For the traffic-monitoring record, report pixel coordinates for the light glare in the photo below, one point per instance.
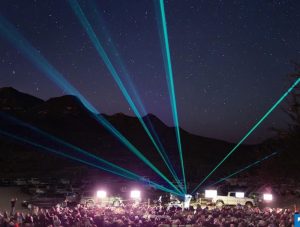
(268, 197)
(135, 194)
(101, 194)
(210, 193)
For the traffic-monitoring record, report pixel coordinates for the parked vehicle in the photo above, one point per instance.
(233, 199)
(33, 181)
(88, 198)
(45, 201)
(64, 181)
(20, 182)
(72, 197)
(6, 182)
(37, 189)
(61, 189)
(76, 188)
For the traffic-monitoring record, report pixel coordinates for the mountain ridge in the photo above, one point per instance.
(65, 117)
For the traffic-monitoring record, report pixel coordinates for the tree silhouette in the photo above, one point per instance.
(288, 139)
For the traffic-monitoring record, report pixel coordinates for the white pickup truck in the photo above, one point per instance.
(233, 198)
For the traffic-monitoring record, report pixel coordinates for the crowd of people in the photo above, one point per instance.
(139, 215)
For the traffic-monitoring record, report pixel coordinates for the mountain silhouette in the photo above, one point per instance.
(66, 118)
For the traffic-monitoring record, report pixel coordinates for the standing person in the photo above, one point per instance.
(56, 221)
(19, 218)
(13, 206)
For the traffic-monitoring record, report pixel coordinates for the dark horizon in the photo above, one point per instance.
(126, 115)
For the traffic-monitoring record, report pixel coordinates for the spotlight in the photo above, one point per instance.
(135, 194)
(268, 197)
(239, 194)
(101, 194)
(210, 193)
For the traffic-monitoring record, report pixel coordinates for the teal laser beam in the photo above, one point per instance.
(123, 173)
(245, 168)
(58, 140)
(135, 150)
(8, 31)
(170, 80)
(132, 148)
(250, 131)
(125, 76)
(100, 50)
(13, 36)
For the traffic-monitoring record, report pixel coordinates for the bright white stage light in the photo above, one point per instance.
(101, 194)
(210, 193)
(187, 200)
(239, 194)
(135, 194)
(268, 197)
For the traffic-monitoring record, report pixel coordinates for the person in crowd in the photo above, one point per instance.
(13, 202)
(149, 216)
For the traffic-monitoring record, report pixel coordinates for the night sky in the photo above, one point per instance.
(230, 58)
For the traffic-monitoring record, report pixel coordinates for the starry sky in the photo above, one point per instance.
(230, 58)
